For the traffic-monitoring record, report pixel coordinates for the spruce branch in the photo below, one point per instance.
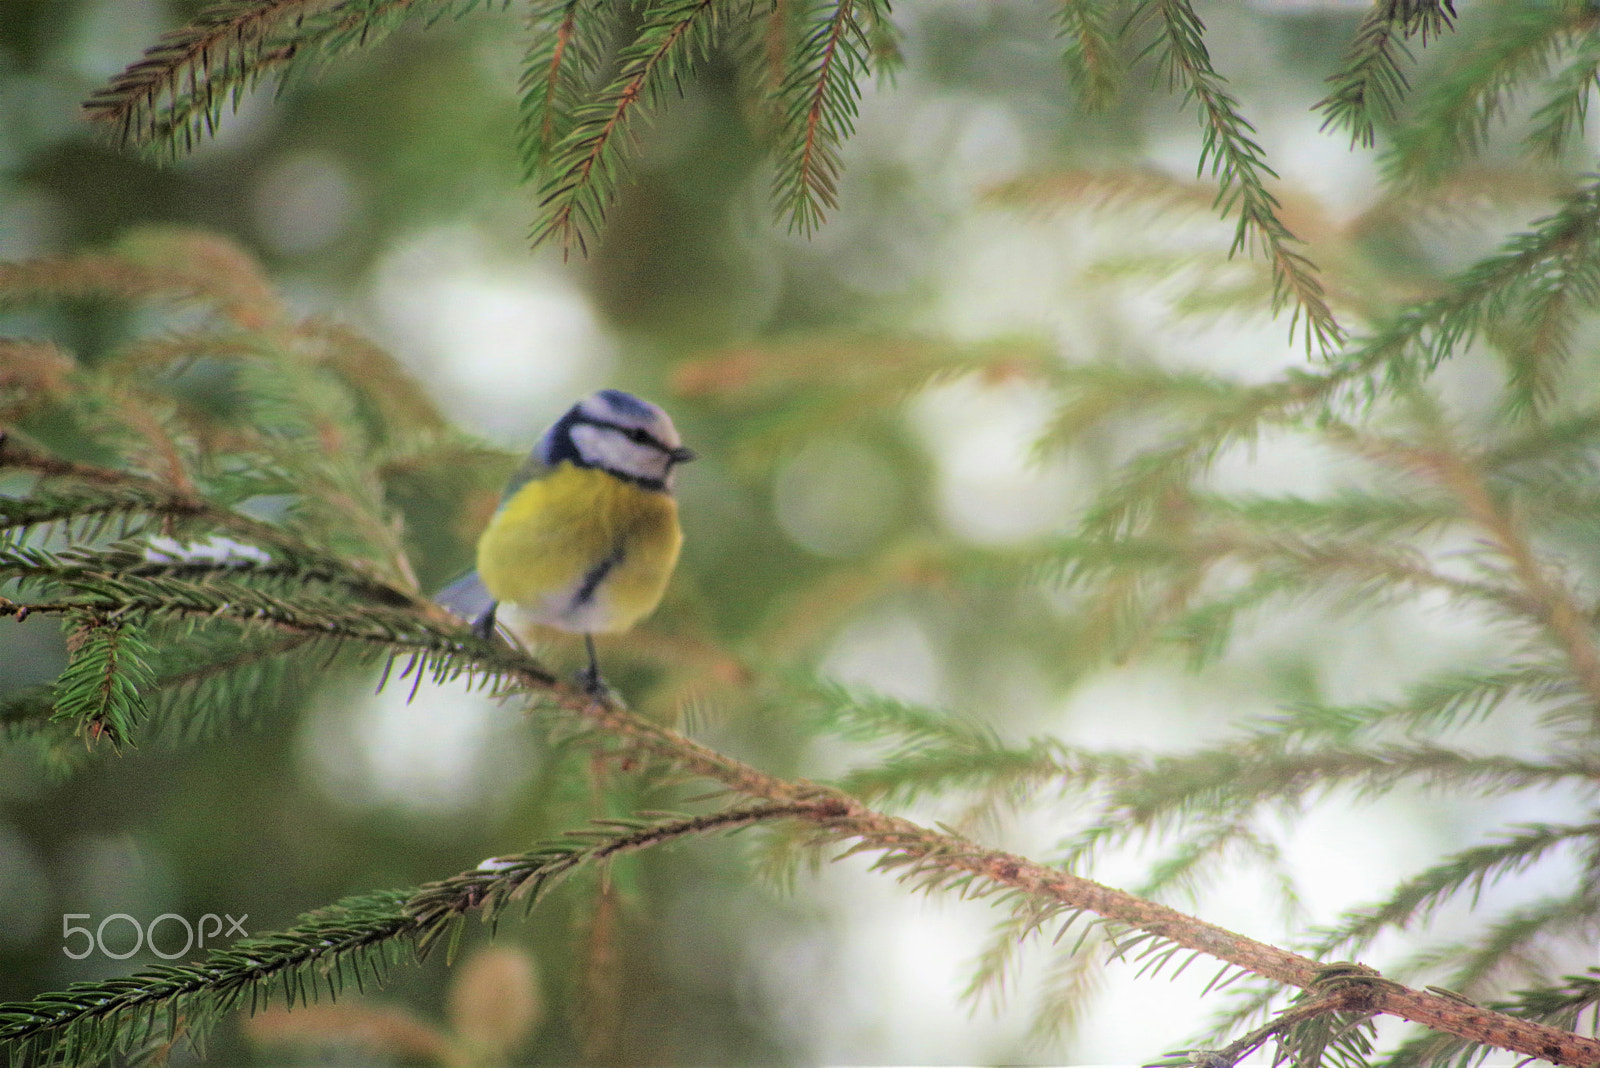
(1566, 623)
(1071, 978)
(1369, 86)
(1463, 105)
(1560, 1006)
(1093, 66)
(1188, 584)
(818, 101)
(156, 263)
(1559, 121)
(32, 375)
(904, 777)
(177, 92)
(929, 749)
(102, 691)
(1347, 515)
(586, 167)
(997, 964)
(812, 384)
(1513, 942)
(95, 275)
(600, 1028)
(927, 864)
(563, 61)
(1334, 1012)
(1144, 484)
(210, 680)
(1545, 273)
(1442, 701)
(775, 41)
(81, 514)
(931, 860)
(121, 495)
(1093, 393)
(888, 59)
(1470, 870)
(224, 47)
(1226, 781)
(328, 950)
(1229, 151)
(403, 408)
(440, 653)
(198, 676)
(113, 585)
(1542, 451)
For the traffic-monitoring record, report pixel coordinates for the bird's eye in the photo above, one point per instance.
(638, 435)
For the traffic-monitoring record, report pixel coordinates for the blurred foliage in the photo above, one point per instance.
(1377, 562)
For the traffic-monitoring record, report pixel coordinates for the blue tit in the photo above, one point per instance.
(587, 533)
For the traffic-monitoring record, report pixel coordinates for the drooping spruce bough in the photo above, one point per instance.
(116, 469)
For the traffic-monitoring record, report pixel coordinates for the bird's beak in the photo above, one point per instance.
(682, 455)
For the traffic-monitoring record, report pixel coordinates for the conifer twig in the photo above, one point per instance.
(1367, 88)
(557, 66)
(149, 495)
(226, 36)
(1555, 608)
(177, 92)
(335, 945)
(1093, 66)
(1334, 992)
(1531, 270)
(819, 106)
(1455, 116)
(586, 166)
(1233, 157)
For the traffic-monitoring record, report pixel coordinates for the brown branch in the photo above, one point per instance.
(600, 1024)
(424, 916)
(915, 850)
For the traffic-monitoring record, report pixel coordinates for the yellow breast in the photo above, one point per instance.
(581, 550)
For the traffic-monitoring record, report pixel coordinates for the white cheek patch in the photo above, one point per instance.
(606, 448)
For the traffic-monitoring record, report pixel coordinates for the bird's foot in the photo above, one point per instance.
(591, 683)
(483, 626)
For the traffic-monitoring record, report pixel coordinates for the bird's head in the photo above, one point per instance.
(621, 434)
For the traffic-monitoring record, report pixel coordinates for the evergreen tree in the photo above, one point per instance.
(223, 502)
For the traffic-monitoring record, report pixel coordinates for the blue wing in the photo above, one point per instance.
(470, 599)
(467, 596)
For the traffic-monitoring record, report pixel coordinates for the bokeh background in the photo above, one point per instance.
(385, 195)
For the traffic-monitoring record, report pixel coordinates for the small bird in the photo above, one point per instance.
(587, 532)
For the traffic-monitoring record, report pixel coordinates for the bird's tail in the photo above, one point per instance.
(470, 599)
